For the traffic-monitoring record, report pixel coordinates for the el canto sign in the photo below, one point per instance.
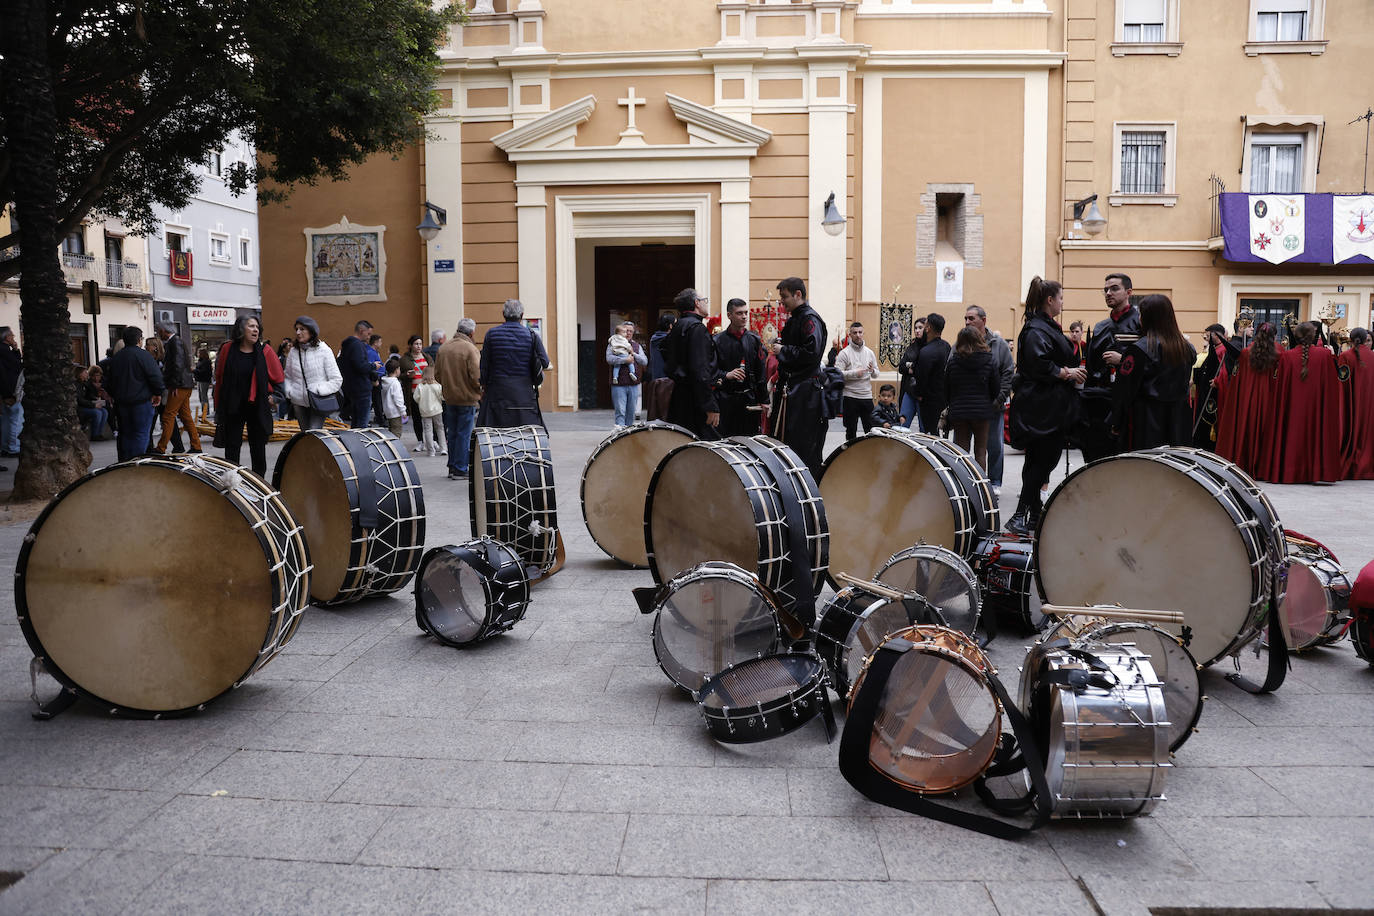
(196, 314)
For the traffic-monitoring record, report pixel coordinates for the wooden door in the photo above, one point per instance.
(638, 283)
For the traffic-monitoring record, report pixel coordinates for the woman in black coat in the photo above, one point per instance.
(246, 374)
(907, 370)
(972, 386)
(1150, 397)
(1044, 402)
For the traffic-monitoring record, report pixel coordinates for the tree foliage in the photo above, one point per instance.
(146, 90)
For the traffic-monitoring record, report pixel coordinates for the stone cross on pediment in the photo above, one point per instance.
(631, 135)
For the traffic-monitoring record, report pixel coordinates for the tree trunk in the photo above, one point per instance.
(53, 448)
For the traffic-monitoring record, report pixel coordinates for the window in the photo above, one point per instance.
(245, 252)
(215, 164)
(1143, 164)
(1147, 27)
(219, 247)
(1281, 153)
(74, 242)
(176, 238)
(1287, 27)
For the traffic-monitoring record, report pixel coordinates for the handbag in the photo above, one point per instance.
(320, 403)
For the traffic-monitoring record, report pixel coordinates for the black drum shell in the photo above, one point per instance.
(505, 587)
(771, 718)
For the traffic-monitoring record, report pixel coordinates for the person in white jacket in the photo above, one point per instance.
(429, 398)
(310, 368)
(393, 400)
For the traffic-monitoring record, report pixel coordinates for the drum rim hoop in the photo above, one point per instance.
(601, 447)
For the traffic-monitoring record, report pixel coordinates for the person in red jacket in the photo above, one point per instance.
(1311, 411)
(1357, 367)
(246, 375)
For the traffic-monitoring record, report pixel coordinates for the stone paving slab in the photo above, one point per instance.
(369, 769)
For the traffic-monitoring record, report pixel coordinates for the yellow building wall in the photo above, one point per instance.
(778, 226)
(490, 261)
(654, 117)
(628, 25)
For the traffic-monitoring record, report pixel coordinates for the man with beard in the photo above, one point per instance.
(799, 399)
(1109, 339)
(739, 354)
(688, 359)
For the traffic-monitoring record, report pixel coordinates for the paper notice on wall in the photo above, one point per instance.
(949, 281)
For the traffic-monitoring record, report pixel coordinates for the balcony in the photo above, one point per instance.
(125, 275)
(1299, 228)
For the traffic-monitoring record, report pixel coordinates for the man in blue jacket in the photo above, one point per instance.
(512, 367)
(358, 374)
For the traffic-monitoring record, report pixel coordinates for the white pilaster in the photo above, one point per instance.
(826, 173)
(871, 282)
(1035, 147)
(444, 188)
(734, 241)
(532, 247)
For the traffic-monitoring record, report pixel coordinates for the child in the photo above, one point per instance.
(429, 397)
(885, 411)
(393, 401)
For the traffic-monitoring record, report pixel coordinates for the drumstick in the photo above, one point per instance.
(1114, 613)
(877, 588)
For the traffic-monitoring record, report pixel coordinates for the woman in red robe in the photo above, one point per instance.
(1247, 415)
(1357, 449)
(1311, 412)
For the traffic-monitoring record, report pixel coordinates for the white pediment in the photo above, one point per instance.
(555, 130)
(706, 126)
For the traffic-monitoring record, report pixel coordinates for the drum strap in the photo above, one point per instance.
(856, 769)
(1278, 653)
(560, 556)
(798, 558)
(368, 515)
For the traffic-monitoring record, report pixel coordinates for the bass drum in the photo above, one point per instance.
(942, 578)
(725, 501)
(615, 481)
(511, 494)
(134, 611)
(986, 517)
(358, 495)
(1158, 530)
(1316, 606)
(921, 500)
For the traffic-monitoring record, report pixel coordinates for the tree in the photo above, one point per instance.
(107, 107)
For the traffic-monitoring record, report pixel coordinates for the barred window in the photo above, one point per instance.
(1142, 162)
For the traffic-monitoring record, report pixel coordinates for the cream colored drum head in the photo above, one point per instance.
(312, 485)
(149, 589)
(615, 484)
(701, 511)
(881, 494)
(1137, 532)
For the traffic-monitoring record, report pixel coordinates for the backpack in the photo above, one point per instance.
(832, 391)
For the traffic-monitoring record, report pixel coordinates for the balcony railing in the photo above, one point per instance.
(110, 274)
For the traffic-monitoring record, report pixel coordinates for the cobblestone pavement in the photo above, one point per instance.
(369, 769)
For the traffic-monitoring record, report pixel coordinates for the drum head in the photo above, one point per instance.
(313, 488)
(941, 577)
(615, 483)
(709, 622)
(1137, 532)
(912, 504)
(700, 511)
(938, 723)
(1306, 607)
(872, 628)
(759, 682)
(134, 605)
(454, 597)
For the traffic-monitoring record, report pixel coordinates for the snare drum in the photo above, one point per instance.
(725, 501)
(710, 617)
(920, 500)
(1173, 665)
(939, 721)
(1158, 529)
(764, 698)
(511, 493)
(941, 577)
(854, 624)
(615, 481)
(1316, 606)
(467, 592)
(358, 496)
(1107, 748)
(1005, 565)
(134, 611)
(1362, 613)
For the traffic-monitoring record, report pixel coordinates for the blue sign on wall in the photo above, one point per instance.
(443, 267)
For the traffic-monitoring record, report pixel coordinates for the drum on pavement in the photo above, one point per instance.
(1316, 605)
(615, 482)
(510, 487)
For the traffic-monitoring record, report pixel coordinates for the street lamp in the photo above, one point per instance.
(1091, 222)
(832, 222)
(428, 227)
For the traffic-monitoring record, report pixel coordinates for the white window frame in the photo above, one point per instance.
(183, 231)
(1313, 42)
(245, 255)
(1168, 197)
(1309, 127)
(225, 258)
(1171, 46)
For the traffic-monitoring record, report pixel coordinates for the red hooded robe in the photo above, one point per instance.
(1311, 417)
(1246, 418)
(1357, 448)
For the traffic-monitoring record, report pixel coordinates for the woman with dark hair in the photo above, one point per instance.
(1150, 397)
(246, 373)
(1310, 411)
(311, 369)
(1248, 405)
(1044, 404)
(413, 363)
(1357, 448)
(972, 386)
(906, 373)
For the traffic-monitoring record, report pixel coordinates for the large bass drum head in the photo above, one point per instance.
(1137, 532)
(912, 503)
(700, 511)
(614, 485)
(133, 604)
(313, 488)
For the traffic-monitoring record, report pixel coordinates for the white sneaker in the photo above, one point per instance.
(444, 452)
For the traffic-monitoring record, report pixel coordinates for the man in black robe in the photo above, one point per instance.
(799, 398)
(1221, 351)
(1109, 340)
(689, 360)
(739, 355)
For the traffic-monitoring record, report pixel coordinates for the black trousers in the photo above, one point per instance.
(930, 416)
(855, 410)
(231, 435)
(1042, 454)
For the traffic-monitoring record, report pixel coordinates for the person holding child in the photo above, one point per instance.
(627, 360)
